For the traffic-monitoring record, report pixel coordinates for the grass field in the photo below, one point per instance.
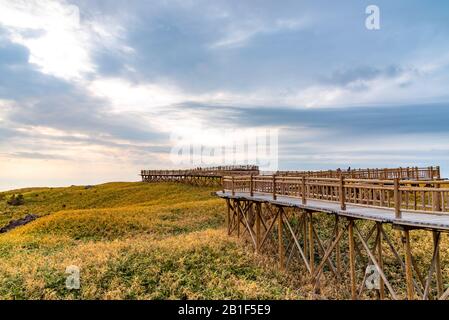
(155, 241)
(130, 241)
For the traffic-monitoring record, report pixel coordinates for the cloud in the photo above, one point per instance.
(239, 34)
(51, 30)
(109, 85)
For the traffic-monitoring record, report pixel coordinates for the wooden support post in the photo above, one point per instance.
(337, 246)
(251, 188)
(438, 275)
(305, 230)
(342, 193)
(281, 240)
(258, 213)
(408, 266)
(232, 183)
(228, 220)
(274, 187)
(237, 211)
(380, 260)
(311, 244)
(397, 199)
(352, 260)
(304, 192)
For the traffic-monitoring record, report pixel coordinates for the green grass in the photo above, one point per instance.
(130, 241)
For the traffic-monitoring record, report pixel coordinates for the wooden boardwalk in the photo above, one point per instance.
(368, 241)
(282, 212)
(210, 176)
(433, 221)
(411, 173)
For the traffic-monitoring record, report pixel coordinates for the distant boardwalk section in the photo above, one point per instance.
(209, 176)
(415, 173)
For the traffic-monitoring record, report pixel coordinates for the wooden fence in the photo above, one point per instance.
(410, 173)
(419, 196)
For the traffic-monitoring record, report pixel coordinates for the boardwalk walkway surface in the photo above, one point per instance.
(384, 215)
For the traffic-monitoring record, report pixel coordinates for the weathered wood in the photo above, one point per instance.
(342, 193)
(254, 201)
(301, 252)
(337, 248)
(397, 199)
(408, 266)
(311, 244)
(373, 259)
(280, 239)
(380, 259)
(436, 243)
(323, 251)
(352, 260)
(258, 218)
(274, 187)
(329, 250)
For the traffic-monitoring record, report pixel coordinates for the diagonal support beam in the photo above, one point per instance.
(436, 248)
(301, 252)
(328, 253)
(373, 259)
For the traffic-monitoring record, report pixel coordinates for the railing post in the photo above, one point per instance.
(397, 199)
(438, 173)
(251, 190)
(274, 187)
(223, 184)
(436, 198)
(304, 191)
(233, 191)
(342, 193)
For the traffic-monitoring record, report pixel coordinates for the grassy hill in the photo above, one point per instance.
(131, 241)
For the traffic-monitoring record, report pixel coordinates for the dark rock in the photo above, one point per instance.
(17, 223)
(16, 200)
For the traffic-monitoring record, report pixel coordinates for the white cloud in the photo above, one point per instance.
(126, 96)
(239, 34)
(51, 30)
(59, 43)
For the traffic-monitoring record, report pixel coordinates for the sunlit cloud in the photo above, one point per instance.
(91, 93)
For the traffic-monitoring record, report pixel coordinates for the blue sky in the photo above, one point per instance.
(90, 91)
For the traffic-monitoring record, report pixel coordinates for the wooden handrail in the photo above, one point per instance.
(429, 196)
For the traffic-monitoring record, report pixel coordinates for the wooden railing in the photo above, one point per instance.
(209, 171)
(396, 194)
(409, 173)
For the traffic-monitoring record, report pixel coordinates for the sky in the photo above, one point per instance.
(93, 91)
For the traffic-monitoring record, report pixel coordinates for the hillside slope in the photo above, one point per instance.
(130, 241)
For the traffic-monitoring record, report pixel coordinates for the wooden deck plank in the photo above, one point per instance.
(385, 215)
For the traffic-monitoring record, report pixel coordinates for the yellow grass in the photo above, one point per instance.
(158, 241)
(130, 241)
